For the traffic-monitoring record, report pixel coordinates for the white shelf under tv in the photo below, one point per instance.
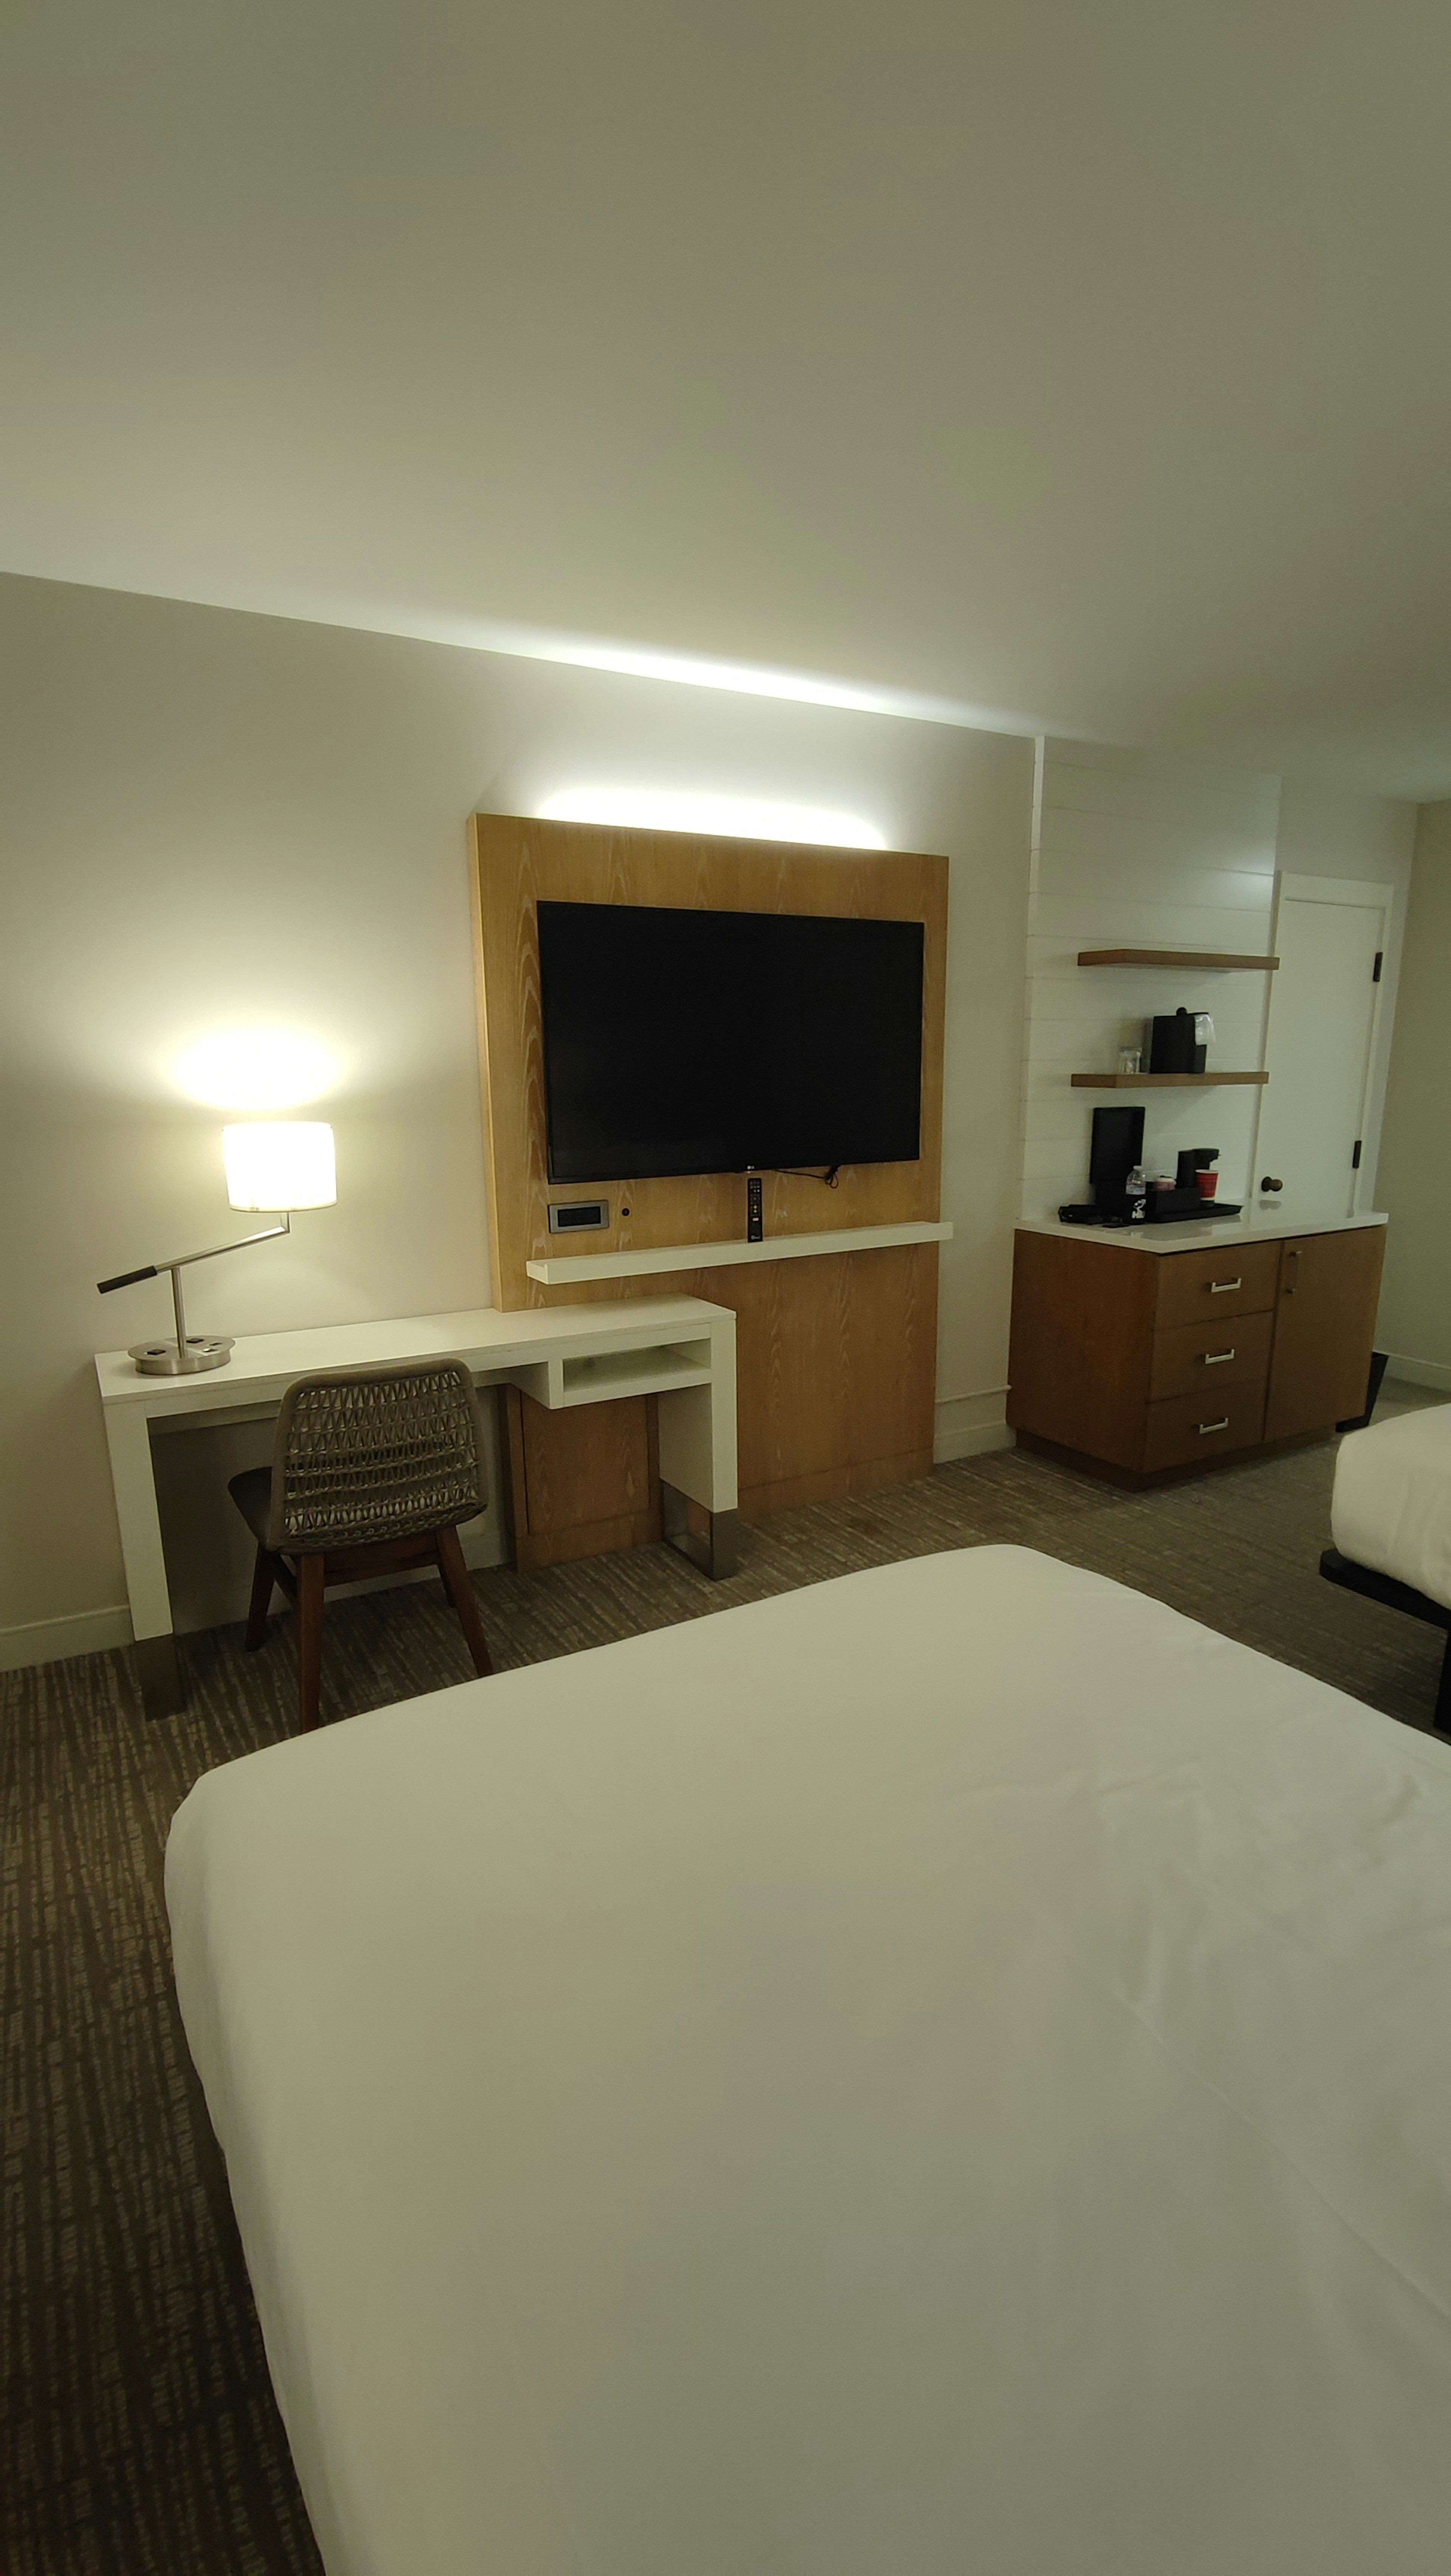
(564, 1269)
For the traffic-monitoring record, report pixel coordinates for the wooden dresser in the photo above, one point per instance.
(1147, 1362)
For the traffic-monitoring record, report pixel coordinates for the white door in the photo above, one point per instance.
(1330, 936)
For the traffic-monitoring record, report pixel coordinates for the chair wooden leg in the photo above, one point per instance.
(461, 1593)
(310, 1571)
(264, 1583)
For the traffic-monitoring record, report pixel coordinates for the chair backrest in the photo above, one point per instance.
(367, 1455)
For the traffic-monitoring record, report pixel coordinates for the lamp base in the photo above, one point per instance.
(168, 1359)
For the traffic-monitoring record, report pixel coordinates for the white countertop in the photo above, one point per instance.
(1199, 1234)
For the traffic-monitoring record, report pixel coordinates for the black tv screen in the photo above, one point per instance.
(722, 1041)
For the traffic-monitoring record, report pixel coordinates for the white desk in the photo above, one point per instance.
(677, 1348)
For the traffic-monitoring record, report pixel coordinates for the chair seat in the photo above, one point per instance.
(252, 1494)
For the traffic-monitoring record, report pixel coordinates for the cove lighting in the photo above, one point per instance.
(745, 679)
(739, 818)
(255, 1069)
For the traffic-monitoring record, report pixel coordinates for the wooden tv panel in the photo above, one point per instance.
(836, 1355)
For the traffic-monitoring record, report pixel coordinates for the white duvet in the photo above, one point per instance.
(947, 2073)
(1391, 1508)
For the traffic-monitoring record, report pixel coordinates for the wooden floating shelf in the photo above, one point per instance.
(1158, 1081)
(1185, 960)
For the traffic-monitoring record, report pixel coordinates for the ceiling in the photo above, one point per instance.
(1080, 363)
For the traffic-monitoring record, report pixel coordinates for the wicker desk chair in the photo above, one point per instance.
(372, 1471)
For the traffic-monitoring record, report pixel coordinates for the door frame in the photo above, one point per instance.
(1363, 894)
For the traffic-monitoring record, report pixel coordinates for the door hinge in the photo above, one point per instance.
(1379, 962)
(1355, 1157)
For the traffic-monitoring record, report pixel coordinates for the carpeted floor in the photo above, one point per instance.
(140, 2433)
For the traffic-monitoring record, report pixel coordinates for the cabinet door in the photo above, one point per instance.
(1324, 1330)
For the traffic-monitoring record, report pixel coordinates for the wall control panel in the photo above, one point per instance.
(580, 1216)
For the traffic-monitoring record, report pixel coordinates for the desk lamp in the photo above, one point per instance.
(273, 1164)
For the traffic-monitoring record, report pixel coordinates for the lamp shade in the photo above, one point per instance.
(277, 1163)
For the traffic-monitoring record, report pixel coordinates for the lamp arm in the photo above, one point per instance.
(154, 1269)
(184, 1259)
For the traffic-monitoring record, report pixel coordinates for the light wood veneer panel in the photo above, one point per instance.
(516, 863)
(582, 1481)
(836, 1356)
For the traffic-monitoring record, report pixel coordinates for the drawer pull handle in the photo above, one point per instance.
(1221, 1425)
(1221, 1287)
(1216, 1359)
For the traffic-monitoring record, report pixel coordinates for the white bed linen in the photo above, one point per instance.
(946, 2073)
(1391, 1508)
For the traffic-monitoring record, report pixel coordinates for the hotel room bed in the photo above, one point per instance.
(1390, 1519)
(946, 2072)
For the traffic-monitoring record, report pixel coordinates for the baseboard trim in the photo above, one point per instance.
(1420, 1372)
(972, 1442)
(969, 1426)
(52, 1641)
(91, 1632)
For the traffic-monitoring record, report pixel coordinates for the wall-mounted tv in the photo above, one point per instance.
(726, 1041)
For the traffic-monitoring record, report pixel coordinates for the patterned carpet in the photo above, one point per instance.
(140, 2433)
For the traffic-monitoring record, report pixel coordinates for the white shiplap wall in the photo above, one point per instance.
(1132, 849)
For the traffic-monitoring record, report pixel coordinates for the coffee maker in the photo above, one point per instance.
(1118, 1144)
(1177, 1041)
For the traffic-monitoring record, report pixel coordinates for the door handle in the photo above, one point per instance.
(1221, 1425)
(1216, 1359)
(1268, 1184)
(1221, 1287)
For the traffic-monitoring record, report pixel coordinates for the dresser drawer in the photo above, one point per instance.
(1195, 1359)
(1183, 1429)
(1244, 1279)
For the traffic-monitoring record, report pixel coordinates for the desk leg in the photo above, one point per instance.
(163, 1693)
(128, 1437)
(715, 1549)
(697, 1436)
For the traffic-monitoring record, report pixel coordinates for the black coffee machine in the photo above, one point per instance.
(1173, 1044)
(1118, 1144)
(1171, 1207)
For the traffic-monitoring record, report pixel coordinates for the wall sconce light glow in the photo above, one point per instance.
(255, 1069)
(276, 1163)
(739, 818)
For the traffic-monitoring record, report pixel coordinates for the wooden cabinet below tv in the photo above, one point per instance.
(1145, 1364)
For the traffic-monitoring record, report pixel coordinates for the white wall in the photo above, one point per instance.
(1415, 1166)
(210, 819)
(1131, 850)
(1136, 849)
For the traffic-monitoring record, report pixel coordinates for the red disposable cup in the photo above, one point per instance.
(1208, 1183)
